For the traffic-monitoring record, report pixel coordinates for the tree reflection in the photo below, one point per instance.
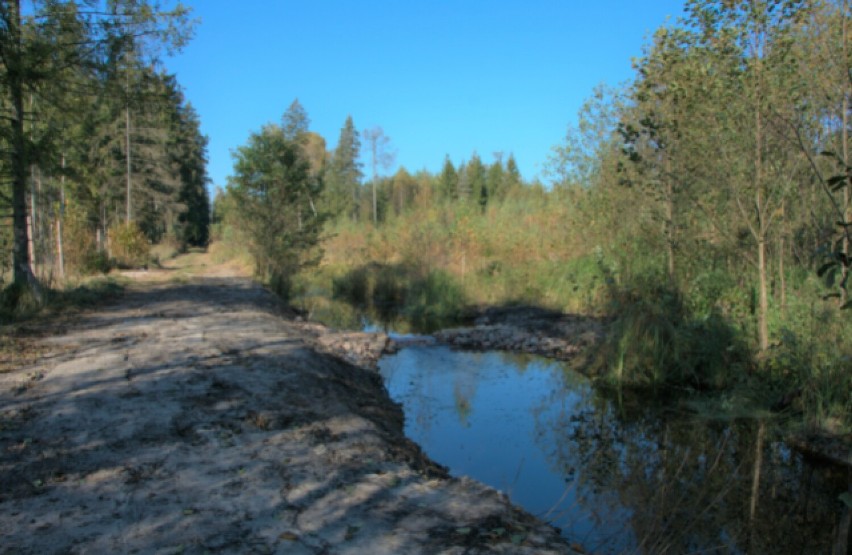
(686, 485)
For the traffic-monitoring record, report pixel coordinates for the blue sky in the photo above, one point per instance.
(440, 77)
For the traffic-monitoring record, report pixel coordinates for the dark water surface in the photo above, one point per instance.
(613, 479)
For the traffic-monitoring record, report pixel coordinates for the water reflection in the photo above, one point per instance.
(341, 313)
(615, 477)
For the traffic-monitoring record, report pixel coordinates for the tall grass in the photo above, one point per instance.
(595, 252)
(425, 299)
(655, 339)
(521, 252)
(80, 293)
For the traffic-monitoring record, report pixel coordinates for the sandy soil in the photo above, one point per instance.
(195, 415)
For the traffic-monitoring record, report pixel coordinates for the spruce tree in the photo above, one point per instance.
(448, 180)
(295, 122)
(494, 179)
(344, 173)
(513, 174)
(475, 188)
(35, 64)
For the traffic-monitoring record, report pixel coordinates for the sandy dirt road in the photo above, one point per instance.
(191, 415)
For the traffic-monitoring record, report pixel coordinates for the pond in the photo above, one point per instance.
(613, 478)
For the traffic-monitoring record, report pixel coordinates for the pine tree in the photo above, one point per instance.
(474, 182)
(344, 174)
(194, 220)
(494, 179)
(381, 156)
(513, 174)
(448, 181)
(34, 64)
(295, 122)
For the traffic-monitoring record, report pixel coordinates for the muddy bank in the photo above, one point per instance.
(359, 348)
(529, 330)
(522, 329)
(191, 417)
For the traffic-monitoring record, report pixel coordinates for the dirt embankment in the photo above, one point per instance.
(526, 329)
(191, 417)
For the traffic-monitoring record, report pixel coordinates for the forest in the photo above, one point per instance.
(102, 154)
(703, 209)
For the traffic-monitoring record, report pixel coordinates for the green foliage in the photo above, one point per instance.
(448, 180)
(18, 304)
(163, 251)
(809, 369)
(273, 205)
(129, 246)
(341, 196)
(88, 108)
(295, 122)
(89, 293)
(354, 287)
(421, 299)
(434, 301)
(655, 340)
(17, 301)
(190, 153)
(94, 261)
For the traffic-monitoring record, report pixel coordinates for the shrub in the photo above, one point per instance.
(434, 300)
(129, 246)
(17, 301)
(655, 340)
(353, 287)
(388, 293)
(82, 253)
(93, 262)
(426, 299)
(811, 373)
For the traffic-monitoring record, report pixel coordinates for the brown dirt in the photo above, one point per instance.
(195, 415)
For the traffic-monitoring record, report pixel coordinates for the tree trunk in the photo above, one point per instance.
(841, 545)
(847, 216)
(670, 232)
(755, 479)
(128, 160)
(23, 273)
(844, 134)
(60, 252)
(782, 278)
(761, 227)
(782, 236)
(763, 298)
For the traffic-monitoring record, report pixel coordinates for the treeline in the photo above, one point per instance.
(286, 180)
(100, 153)
(705, 207)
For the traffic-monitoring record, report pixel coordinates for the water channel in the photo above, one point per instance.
(614, 478)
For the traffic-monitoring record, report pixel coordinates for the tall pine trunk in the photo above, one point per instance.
(763, 294)
(760, 202)
(23, 273)
(847, 209)
(670, 228)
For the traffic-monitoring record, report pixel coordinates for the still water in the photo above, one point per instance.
(612, 478)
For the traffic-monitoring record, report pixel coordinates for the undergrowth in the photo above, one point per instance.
(85, 293)
(426, 299)
(655, 339)
(695, 331)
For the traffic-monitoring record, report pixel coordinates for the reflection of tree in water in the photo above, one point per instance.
(689, 485)
(466, 380)
(462, 396)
